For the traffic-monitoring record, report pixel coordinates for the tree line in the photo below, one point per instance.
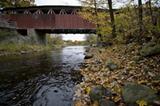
(16, 3)
(138, 22)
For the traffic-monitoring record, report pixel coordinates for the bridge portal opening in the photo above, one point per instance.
(71, 39)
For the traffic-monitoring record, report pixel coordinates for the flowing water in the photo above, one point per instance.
(46, 79)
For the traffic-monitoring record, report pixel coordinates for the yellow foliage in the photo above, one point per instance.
(141, 102)
(88, 89)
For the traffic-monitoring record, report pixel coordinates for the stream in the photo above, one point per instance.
(44, 79)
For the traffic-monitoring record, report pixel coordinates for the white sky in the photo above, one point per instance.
(74, 37)
(57, 2)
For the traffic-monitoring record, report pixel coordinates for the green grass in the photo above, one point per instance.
(13, 48)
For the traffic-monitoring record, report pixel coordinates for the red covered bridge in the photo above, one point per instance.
(55, 19)
(39, 20)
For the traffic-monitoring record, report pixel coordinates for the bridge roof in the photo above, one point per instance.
(42, 7)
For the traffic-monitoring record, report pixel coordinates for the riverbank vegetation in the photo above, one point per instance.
(13, 43)
(124, 68)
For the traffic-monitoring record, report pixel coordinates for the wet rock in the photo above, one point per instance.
(55, 91)
(133, 92)
(97, 93)
(111, 65)
(88, 56)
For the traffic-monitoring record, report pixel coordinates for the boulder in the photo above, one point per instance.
(98, 92)
(88, 56)
(132, 93)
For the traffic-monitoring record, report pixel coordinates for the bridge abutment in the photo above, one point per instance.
(37, 37)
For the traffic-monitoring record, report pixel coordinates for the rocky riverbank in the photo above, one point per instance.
(119, 76)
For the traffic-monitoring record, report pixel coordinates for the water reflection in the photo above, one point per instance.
(39, 80)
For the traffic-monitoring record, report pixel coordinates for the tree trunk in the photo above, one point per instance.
(151, 12)
(99, 37)
(112, 18)
(140, 8)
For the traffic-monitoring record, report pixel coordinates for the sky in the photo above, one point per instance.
(73, 37)
(57, 2)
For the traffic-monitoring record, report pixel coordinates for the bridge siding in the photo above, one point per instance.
(72, 22)
(50, 21)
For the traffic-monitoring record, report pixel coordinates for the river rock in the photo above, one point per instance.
(111, 65)
(97, 93)
(88, 56)
(133, 92)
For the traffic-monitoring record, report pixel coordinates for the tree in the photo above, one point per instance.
(91, 8)
(112, 18)
(5, 3)
(95, 12)
(54, 40)
(140, 13)
(16, 3)
(90, 39)
(151, 12)
(23, 3)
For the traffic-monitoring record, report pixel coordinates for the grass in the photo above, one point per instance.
(17, 48)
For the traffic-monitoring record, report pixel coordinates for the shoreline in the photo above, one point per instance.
(30, 49)
(114, 70)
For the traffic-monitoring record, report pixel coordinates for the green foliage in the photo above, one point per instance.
(6, 33)
(127, 21)
(150, 49)
(126, 24)
(16, 3)
(128, 27)
(91, 39)
(17, 48)
(92, 13)
(103, 26)
(54, 40)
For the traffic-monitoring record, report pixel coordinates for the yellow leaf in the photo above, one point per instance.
(88, 89)
(141, 102)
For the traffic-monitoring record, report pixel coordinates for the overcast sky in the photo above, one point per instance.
(57, 2)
